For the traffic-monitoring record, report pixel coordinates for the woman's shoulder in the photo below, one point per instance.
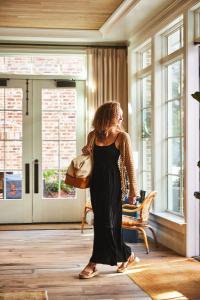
(123, 138)
(91, 133)
(124, 135)
(90, 136)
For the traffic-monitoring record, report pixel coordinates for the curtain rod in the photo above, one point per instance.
(80, 46)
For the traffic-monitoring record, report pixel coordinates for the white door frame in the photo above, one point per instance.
(28, 210)
(14, 210)
(56, 210)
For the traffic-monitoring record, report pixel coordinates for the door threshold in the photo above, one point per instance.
(43, 226)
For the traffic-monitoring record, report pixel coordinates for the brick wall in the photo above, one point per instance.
(58, 135)
(71, 65)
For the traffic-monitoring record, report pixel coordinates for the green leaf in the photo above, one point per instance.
(196, 96)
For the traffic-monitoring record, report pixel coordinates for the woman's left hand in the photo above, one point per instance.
(131, 200)
(86, 150)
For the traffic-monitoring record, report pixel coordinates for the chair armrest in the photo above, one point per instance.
(129, 208)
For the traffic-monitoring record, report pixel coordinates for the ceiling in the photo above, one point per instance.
(72, 22)
(59, 14)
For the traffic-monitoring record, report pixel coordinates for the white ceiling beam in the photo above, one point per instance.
(121, 12)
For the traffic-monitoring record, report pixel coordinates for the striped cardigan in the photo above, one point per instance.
(126, 165)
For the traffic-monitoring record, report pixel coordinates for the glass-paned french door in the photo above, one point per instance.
(41, 130)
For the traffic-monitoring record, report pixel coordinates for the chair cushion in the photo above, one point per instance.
(129, 220)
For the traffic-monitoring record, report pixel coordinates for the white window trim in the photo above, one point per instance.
(139, 75)
(192, 205)
(166, 137)
(139, 82)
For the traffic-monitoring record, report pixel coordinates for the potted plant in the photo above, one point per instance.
(51, 185)
(196, 96)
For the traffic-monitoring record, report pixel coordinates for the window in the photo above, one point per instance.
(145, 109)
(173, 91)
(66, 64)
(146, 132)
(174, 40)
(158, 93)
(174, 137)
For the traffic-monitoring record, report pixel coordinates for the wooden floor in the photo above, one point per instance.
(51, 260)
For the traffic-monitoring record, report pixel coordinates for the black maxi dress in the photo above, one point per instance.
(105, 190)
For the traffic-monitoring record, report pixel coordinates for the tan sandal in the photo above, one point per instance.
(88, 274)
(130, 262)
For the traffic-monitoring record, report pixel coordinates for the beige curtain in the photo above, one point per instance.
(107, 80)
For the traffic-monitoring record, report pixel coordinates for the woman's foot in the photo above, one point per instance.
(89, 271)
(125, 265)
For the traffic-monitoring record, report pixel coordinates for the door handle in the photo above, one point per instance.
(27, 178)
(36, 176)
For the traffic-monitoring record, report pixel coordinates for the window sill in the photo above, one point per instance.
(168, 220)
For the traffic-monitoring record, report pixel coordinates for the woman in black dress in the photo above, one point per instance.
(106, 189)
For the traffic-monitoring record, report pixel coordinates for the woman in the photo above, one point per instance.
(110, 143)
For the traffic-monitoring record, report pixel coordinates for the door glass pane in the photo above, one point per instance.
(1, 185)
(61, 125)
(2, 124)
(50, 126)
(11, 143)
(67, 152)
(51, 183)
(2, 103)
(13, 99)
(2, 156)
(13, 185)
(59, 118)
(13, 125)
(50, 155)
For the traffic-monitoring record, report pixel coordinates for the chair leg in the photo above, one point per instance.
(154, 235)
(145, 238)
(83, 220)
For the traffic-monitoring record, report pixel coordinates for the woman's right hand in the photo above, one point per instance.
(132, 200)
(86, 150)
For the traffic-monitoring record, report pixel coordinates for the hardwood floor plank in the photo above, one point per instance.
(52, 259)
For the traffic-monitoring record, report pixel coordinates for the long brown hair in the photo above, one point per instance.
(106, 116)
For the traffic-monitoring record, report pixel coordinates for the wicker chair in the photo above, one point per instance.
(87, 208)
(141, 222)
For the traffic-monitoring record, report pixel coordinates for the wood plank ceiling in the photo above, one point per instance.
(59, 14)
